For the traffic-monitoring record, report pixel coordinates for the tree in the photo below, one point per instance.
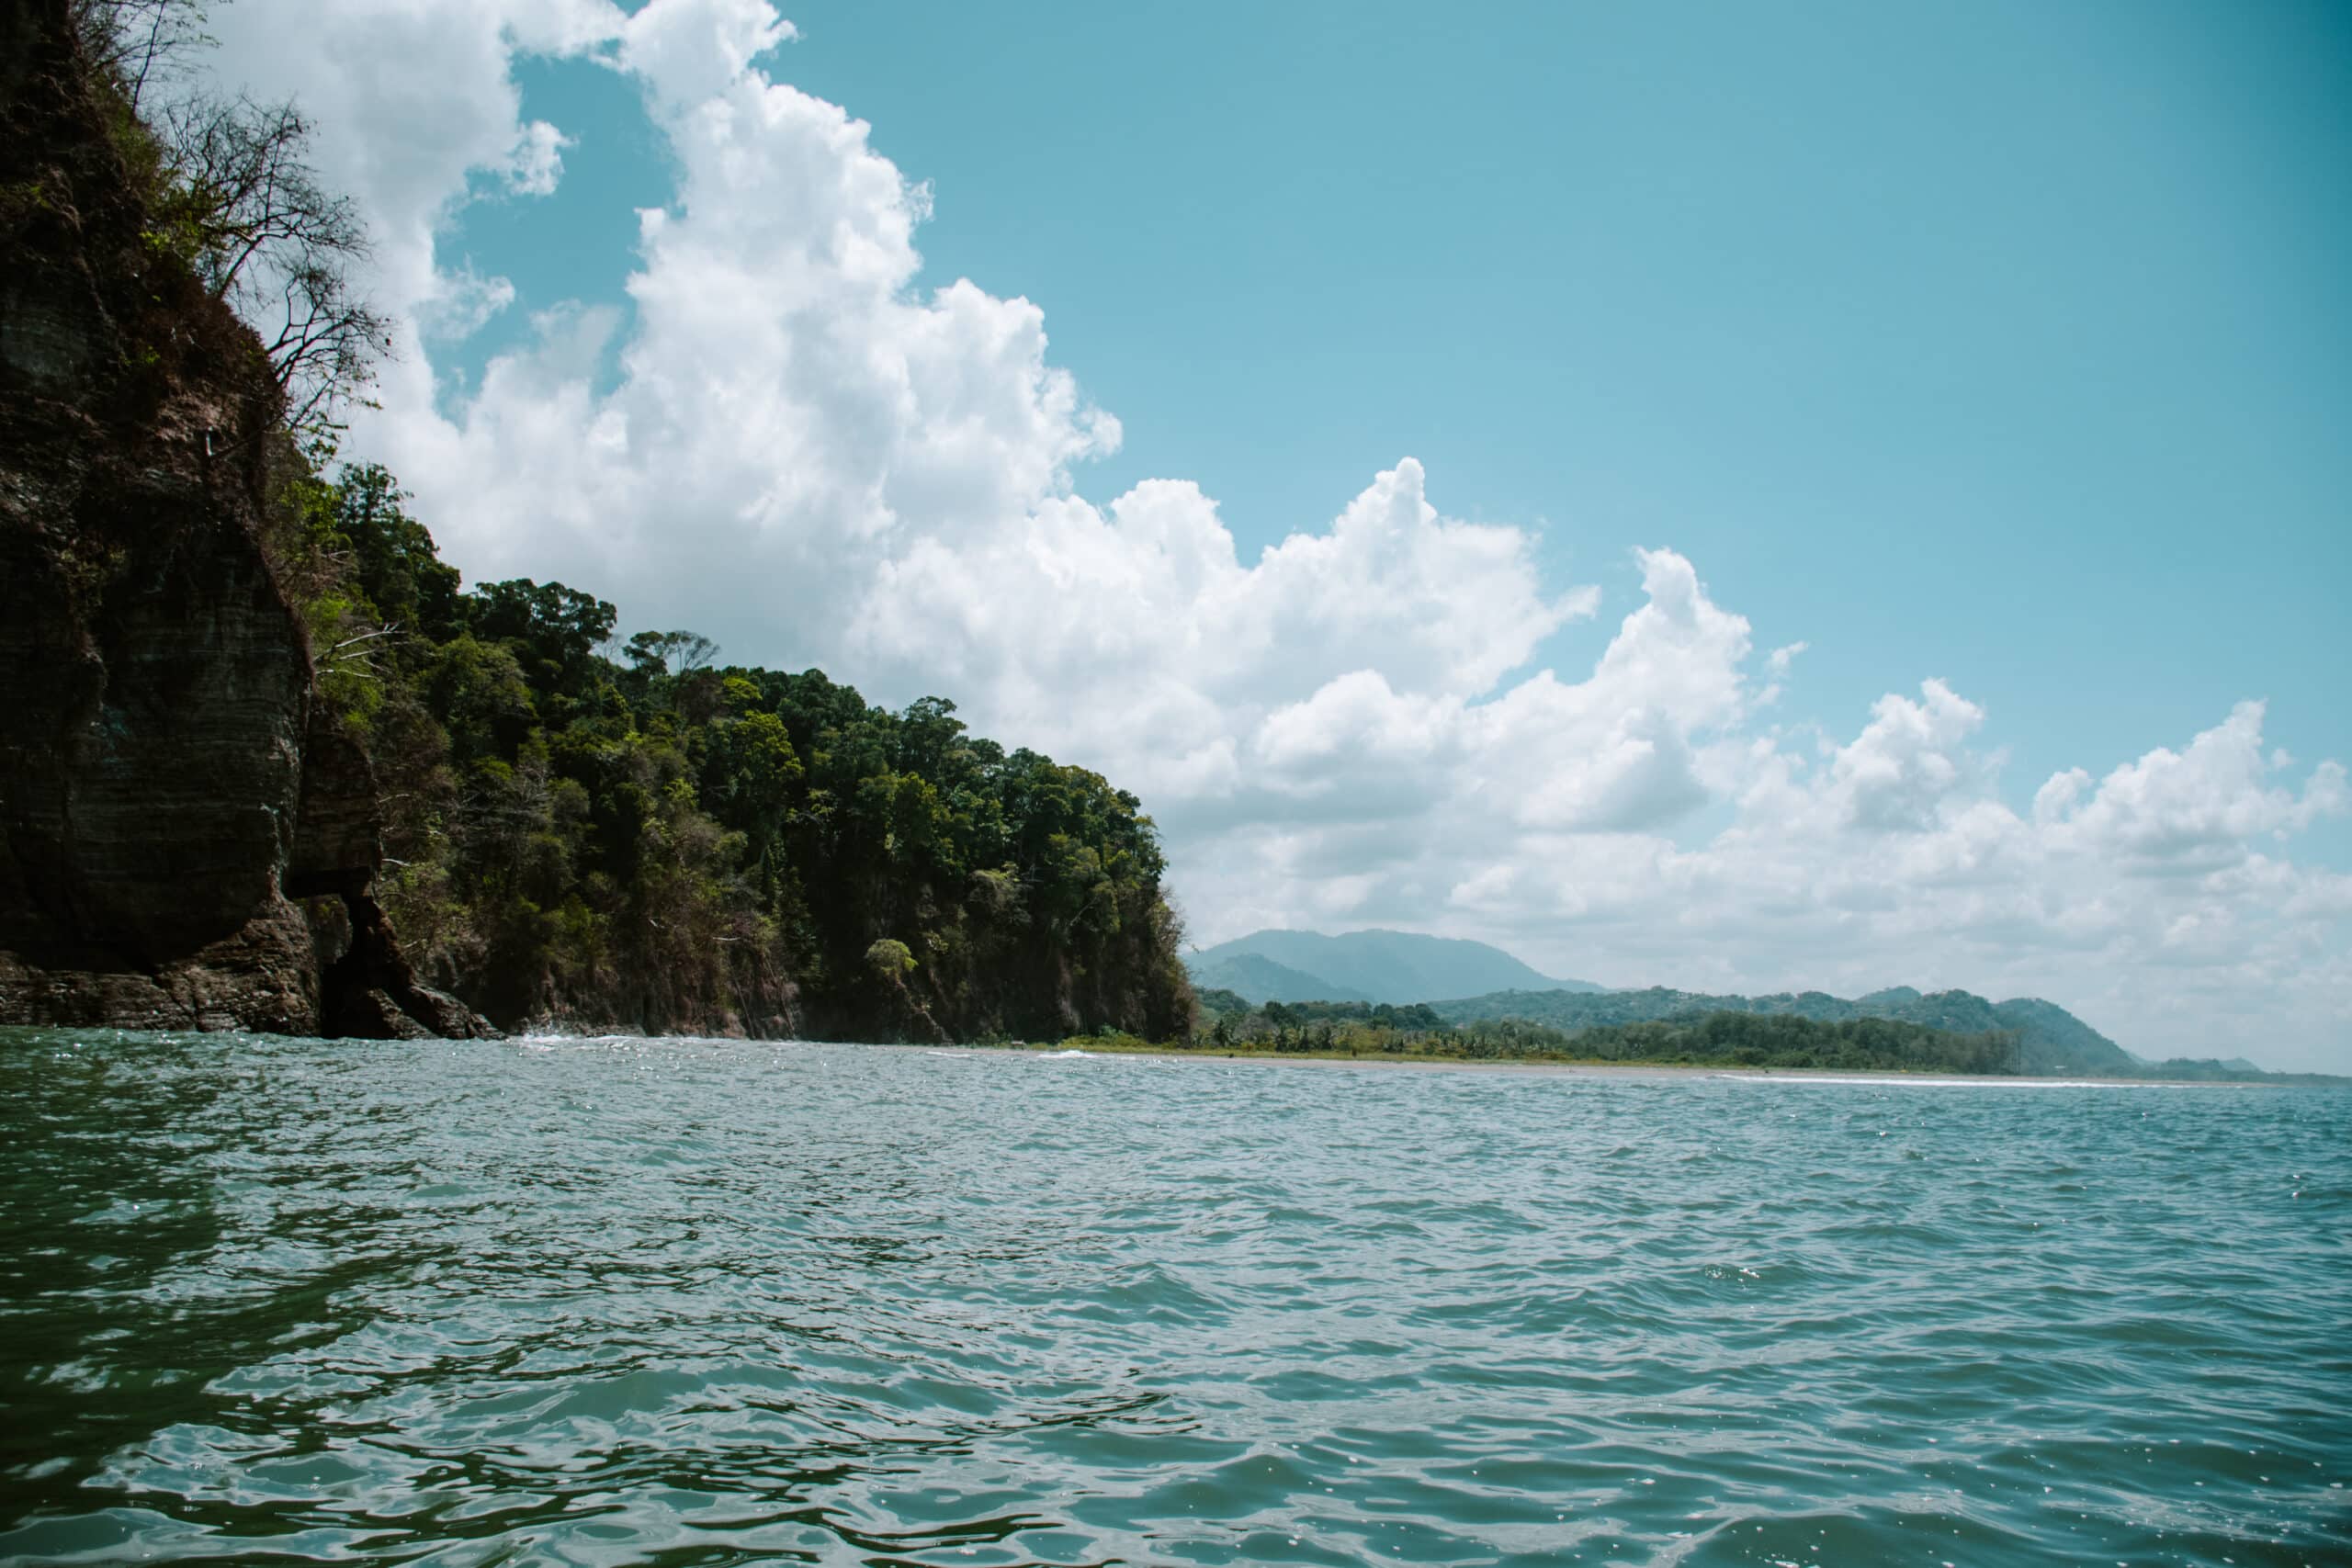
(269, 239)
(556, 629)
(139, 44)
(237, 200)
(670, 653)
(393, 557)
(752, 776)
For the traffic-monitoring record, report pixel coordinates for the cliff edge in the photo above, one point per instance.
(186, 839)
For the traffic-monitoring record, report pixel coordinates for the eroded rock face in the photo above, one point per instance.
(169, 803)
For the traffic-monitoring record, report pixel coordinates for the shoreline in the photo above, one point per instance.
(1083, 1047)
(1073, 1050)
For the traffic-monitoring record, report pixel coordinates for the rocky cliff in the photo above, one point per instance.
(187, 841)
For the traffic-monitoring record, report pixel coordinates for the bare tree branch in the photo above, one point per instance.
(141, 43)
(273, 244)
(245, 206)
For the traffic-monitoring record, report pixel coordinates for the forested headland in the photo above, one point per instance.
(266, 763)
(587, 831)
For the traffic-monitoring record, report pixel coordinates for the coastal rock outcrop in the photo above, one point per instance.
(185, 839)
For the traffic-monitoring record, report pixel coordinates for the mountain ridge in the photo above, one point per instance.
(1374, 965)
(1260, 980)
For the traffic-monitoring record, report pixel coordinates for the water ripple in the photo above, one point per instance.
(701, 1303)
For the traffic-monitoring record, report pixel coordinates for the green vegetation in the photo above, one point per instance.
(1694, 1038)
(633, 835)
(2049, 1039)
(1214, 1002)
(1739, 1039)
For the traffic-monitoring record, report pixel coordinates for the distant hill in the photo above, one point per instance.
(1371, 966)
(1261, 980)
(2051, 1038)
(2053, 1034)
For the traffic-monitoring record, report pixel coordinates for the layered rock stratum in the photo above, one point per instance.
(186, 838)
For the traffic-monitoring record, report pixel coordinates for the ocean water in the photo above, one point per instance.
(703, 1303)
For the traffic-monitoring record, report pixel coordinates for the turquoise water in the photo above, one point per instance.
(700, 1303)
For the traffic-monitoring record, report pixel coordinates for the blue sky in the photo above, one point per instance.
(2009, 344)
(1732, 497)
